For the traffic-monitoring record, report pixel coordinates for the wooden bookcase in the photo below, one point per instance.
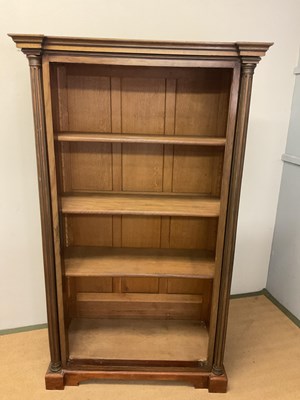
(140, 150)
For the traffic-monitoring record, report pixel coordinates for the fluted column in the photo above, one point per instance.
(248, 66)
(35, 59)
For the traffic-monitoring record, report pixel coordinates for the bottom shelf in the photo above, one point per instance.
(136, 339)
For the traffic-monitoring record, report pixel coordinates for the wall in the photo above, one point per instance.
(21, 292)
(284, 271)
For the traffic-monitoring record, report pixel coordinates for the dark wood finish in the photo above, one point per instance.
(54, 380)
(232, 214)
(197, 379)
(34, 58)
(233, 99)
(61, 298)
(200, 380)
(150, 365)
(140, 149)
(217, 383)
(172, 49)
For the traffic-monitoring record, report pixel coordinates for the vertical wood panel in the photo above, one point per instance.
(170, 106)
(93, 284)
(143, 105)
(61, 123)
(163, 285)
(89, 230)
(89, 105)
(223, 106)
(142, 167)
(140, 285)
(193, 233)
(70, 299)
(168, 168)
(226, 176)
(197, 170)
(165, 232)
(116, 127)
(141, 231)
(193, 286)
(59, 265)
(90, 166)
(62, 101)
(197, 104)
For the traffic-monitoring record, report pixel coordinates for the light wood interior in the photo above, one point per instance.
(145, 204)
(139, 162)
(105, 261)
(137, 339)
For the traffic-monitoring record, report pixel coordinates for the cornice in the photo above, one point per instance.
(48, 44)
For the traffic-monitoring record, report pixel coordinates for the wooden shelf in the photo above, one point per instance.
(137, 305)
(139, 298)
(133, 138)
(109, 261)
(137, 339)
(137, 204)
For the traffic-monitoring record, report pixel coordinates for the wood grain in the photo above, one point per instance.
(89, 230)
(156, 121)
(232, 217)
(139, 306)
(138, 339)
(90, 166)
(45, 209)
(139, 138)
(89, 103)
(143, 105)
(142, 167)
(130, 204)
(197, 104)
(89, 45)
(96, 261)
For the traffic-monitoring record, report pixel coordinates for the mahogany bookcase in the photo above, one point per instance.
(140, 149)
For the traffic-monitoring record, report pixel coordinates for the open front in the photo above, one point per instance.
(140, 150)
(140, 169)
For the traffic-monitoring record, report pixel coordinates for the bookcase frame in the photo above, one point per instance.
(140, 149)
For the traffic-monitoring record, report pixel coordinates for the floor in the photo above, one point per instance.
(262, 362)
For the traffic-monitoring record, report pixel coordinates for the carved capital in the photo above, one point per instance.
(35, 60)
(249, 64)
(248, 68)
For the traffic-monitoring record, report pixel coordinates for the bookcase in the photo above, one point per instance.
(140, 150)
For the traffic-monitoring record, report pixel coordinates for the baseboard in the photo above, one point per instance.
(263, 292)
(266, 293)
(291, 316)
(23, 329)
(249, 294)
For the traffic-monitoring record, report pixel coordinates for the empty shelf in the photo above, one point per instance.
(134, 138)
(137, 339)
(141, 204)
(109, 261)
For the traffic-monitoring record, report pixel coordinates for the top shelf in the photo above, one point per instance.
(140, 204)
(135, 138)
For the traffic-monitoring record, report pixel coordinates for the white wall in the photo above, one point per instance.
(21, 292)
(284, 270)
